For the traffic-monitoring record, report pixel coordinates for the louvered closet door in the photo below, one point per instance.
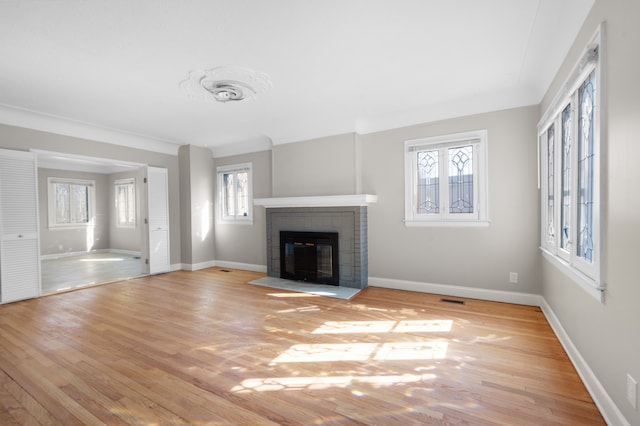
(19, 244)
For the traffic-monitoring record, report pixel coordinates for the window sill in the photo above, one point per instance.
(446, 223)
(67, 227)
(235, 222)
(584, 282)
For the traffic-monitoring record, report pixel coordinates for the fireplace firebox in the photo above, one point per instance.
(309, 256)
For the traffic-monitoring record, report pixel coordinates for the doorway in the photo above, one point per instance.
(91, 213)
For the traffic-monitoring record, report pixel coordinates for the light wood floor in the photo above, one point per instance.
(206, 348)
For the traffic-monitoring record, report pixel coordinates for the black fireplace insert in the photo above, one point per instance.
(309, 256)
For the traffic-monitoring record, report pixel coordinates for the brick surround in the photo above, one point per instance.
(349, 222)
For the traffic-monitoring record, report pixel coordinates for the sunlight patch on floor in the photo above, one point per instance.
(113, 259)
(324, 382)
(322, 352)
(346, 327)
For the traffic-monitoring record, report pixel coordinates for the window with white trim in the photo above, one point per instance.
(125, 202)
(570, 144)
(71, 202)
(446, 180)
(235, 196)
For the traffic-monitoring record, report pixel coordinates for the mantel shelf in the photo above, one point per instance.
(317, 201)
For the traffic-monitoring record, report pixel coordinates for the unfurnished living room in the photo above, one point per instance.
(305, 212)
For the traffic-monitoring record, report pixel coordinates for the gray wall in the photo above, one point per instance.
(129, 239)
(323, 166)
(19, 138)
(197, 184)
(459, 256)
(246, 243)
(63, 240)
(608, 335)
(455, 256)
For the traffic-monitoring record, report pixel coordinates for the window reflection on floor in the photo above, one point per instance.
(71, 272)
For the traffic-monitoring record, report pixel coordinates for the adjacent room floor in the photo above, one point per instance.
(71, 272)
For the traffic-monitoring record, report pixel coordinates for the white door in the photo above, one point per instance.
(158, 205)
(19, 239)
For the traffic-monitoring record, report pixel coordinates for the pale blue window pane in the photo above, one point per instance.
(228, 198)
(131, 205)
(585, 168)
(79, 203)
(126, 204)
(428, 201)
(461, 179)
(62, 203)
(565, 213)
(242, 179)
(551, 228)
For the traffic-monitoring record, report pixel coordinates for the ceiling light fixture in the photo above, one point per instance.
(225, 84)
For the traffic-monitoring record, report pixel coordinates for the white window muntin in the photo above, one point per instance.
(125, 203)
(477, 140)
(232, 208)
(74, 220)
(586, 272)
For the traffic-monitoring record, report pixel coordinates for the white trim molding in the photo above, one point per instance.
(459, 291)
(197, 266)
(243, 266)
(318, 201)
(609, 410)
(222, 264)
(35, 120)
(584, 282)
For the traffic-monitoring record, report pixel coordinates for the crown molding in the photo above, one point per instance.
(21, 117)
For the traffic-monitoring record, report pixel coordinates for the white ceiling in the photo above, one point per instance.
(110, 70)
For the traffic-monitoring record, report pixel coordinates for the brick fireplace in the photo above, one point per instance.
(317, 214)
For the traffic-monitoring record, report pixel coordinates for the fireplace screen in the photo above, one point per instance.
(309, 256)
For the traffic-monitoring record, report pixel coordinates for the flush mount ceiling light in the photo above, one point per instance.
(225, 84)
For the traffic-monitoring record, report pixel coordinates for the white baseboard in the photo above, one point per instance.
(244, 266)
(223, 264)
(459, 291)
(198, 266)
(83, 253)
(129, 252)
(609, 410)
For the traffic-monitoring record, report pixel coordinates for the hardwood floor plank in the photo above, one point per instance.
(205, 347)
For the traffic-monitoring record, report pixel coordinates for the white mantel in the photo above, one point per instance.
(317, 201)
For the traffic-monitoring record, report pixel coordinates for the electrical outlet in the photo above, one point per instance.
(513, 277)
(632, 391)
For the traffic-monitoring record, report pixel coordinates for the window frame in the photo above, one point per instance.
(52, 202)
(588, 275)
(478, 139)
(237, 218)
(128, 183)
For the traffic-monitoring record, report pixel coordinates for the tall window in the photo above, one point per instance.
(125, 192)
(71, 202)
(571, 193)
(551, 183)
(445, 180)
(235, 196)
